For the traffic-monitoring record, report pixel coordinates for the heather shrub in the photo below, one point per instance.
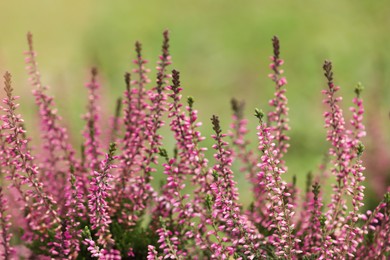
(57, 202)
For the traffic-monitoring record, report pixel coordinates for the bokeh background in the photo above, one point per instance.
(221, 48)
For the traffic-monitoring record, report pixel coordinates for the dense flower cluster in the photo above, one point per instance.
(103, 204)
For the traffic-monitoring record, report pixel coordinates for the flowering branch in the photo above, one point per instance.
(280, 210)
(5, 235)
(56, 145)
(278, 119)
(92, 132)
(43, 214)
(225, 206)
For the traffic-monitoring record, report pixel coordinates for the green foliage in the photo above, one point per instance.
(209, 202)
(39, 246)
(215, 175)
(360, 149)
(138, 238)
(259, 114)
(163, 153)
(190, 101)
(359, 89)
(369, 237)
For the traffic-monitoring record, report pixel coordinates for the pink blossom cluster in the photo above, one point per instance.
(103, 202)
(5, 234)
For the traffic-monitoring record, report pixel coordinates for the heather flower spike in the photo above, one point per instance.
(98, 194)
(278, 118)
(280, 210)
(58, 154)
(92, 131)
(5, 235)
(106, 206)
(22, 169)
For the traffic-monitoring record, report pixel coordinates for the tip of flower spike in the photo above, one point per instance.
(30, 40)
(316, 189)
(360, 148)
(328, 70)
(94, 71)
(259, 114)
(387, 198)
(7, 77)
(118, 107)
(166, 34)
(175, 79)
(138, 49)
(127, 81)
(190, 101)
(111, 150)
(7, 84)
(216, 124)
(163, 153)
(276, 46)
(234, 104)
(165, 46)
(359, 89)
(238, 108)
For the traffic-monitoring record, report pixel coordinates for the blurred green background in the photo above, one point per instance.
(221, 49)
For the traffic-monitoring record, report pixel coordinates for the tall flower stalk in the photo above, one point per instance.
(5, 234)
(280, 210)
(278, 118)
(41, 207)
(98, 194)
(59, 155)
(225, 204)
(92, 131)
